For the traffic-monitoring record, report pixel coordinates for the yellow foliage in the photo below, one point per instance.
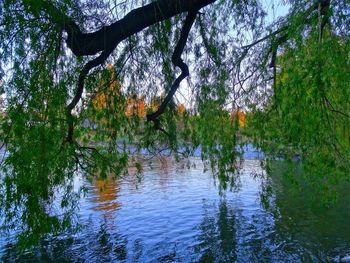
(181, 109)
(109, 66)
(111, 87)
(136, 106)
(241, 117)
(100, 101)
(141, 108)
(130, 107)
(154, 106)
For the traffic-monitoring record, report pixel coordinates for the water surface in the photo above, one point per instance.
(179, 214)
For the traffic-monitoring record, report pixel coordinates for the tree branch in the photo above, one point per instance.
(107, 38)
(83, 73)
(83, 44)
(177, 62)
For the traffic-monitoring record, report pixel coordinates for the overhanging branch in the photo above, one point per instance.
(135, 21)
(177, 62)
(80, 88)
(107, 38)
(83, 44)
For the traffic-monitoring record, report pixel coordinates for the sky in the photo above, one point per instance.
(274, 10)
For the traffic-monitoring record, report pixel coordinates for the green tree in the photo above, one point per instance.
(53, 57)
(308, 116)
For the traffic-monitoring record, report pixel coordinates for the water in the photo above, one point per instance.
(177, 214)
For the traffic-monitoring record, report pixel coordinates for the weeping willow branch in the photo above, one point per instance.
(177, 62)
(83, 73)
(84, 44)
(132, 28)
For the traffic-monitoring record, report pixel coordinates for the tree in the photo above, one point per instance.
(52, 53)
(308, 116)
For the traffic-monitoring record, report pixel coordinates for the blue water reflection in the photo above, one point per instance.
(176, 214)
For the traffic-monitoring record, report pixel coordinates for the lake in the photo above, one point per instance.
(178, 213)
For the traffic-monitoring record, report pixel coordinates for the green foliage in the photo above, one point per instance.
(308, 118)
(216, 132)
(228, 52)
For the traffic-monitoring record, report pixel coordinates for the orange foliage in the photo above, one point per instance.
(181, 109)
(136, 106)
(241, 117)
(141, 107)
(100, 101)
(130, 104)
(111, 87)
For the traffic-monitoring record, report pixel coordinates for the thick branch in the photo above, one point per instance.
(178, 62)
(83, 44)
(138, 19)
(135, 21)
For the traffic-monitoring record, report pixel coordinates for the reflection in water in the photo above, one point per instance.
(177, 215)
(218, 235)
(318, 231)
(105, 196)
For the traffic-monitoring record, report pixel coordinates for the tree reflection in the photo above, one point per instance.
(218, 235)
(105, 196)
(318, 230)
